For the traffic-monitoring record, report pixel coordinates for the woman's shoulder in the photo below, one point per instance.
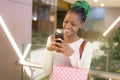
(81, 40)
(88, 46)
(87, 43)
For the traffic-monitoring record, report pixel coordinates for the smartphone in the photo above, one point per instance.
(59, 35)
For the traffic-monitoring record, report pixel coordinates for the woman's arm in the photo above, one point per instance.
(85, 60)
(47, 62)
(87, 56)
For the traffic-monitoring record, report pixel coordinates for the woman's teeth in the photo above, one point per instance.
(67, 30)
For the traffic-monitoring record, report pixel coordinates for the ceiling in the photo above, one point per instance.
(107, 3)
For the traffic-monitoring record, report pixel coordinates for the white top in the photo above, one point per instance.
(55, 58)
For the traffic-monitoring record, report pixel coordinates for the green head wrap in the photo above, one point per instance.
(82, 4)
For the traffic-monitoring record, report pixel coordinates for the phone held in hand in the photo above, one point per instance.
(59, 35)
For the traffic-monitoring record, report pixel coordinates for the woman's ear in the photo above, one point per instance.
(81, 25)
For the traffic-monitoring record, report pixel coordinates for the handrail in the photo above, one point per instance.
(108, 75)
(29, 64)
(101, 74)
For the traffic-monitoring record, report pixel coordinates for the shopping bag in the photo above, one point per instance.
(69, 73)
(62, 72)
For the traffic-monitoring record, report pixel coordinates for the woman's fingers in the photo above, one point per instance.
(58, 46)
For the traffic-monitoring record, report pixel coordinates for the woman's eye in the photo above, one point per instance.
(73, 24)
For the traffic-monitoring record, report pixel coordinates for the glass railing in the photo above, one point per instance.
(103, 67)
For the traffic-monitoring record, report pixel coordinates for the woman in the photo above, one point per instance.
(74, 20)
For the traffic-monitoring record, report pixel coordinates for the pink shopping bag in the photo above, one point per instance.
(69, 73)
(62, 72)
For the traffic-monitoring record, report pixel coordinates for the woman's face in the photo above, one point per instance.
(71, 24)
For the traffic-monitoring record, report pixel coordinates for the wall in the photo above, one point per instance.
(17, 16)
(111, 15)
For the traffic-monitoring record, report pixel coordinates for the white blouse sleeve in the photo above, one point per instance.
(85, 60)
(47, 62)
(86, 56)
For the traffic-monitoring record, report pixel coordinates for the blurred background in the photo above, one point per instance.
(30, 22)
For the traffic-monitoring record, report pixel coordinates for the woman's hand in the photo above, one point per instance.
(50, 43)
(62, 47)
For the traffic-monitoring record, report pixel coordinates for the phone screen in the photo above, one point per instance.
(59, 35)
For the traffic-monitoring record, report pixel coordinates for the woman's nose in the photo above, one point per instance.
(67, 25)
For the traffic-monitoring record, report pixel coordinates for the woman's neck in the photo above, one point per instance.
(71, 39)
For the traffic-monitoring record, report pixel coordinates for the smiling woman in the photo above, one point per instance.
(69, 47)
